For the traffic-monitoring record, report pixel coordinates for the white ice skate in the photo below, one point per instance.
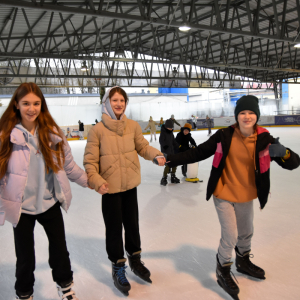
(66, 293)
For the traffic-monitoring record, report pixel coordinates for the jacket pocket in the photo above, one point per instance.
(264, 160)
(218, 155)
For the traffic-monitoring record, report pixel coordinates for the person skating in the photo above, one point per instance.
(209, 124)
(35, 165)
(184, 139)
(194, 120)
(240, 173)
(174, 121)
(81, 130)
(112, 164)
(168, 145)
(152, 125)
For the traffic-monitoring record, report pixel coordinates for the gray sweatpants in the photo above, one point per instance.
(236, 221)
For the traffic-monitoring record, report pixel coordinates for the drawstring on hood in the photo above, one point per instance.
(106, 107)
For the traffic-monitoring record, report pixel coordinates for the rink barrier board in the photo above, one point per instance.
(71, 132)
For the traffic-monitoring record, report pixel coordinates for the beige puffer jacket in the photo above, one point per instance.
(152, 126)
(111, 154)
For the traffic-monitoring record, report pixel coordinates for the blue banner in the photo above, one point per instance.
(287, 120)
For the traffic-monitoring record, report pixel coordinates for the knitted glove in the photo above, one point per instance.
(276, 149)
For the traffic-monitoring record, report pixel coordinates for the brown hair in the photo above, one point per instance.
(45, 126)
(119, 90)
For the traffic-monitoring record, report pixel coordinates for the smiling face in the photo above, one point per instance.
(247, 119)
(118, 104)
(30, 108)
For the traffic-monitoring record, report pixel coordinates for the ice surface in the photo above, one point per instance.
(180, 233)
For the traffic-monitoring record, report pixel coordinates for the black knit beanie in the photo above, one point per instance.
(169, 124)
(247, 103)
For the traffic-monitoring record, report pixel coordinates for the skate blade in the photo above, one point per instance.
(147, 280)
(125, 293)
(245, 273)
(236, 297)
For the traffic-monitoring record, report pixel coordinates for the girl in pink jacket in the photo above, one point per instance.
(36, 165)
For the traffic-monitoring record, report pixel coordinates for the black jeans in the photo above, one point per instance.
(59, 260)
(121, 209)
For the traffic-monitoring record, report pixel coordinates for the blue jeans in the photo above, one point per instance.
(236, 221)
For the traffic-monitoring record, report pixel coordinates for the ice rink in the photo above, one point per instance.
(180, 233)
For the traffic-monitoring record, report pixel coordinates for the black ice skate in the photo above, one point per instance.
(138, 268)
(174, 179)
(119, 277)
(245, 266)
(225, 280)
(164, 181)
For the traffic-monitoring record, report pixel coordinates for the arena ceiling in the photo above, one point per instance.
(231, 43)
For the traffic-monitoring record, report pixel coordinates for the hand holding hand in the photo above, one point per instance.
(159, 160)
(276, 149)
(103, 189)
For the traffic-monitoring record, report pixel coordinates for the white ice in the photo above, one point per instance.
(180, 233)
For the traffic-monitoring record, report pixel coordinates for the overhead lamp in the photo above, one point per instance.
(184, 27)
(297, 46)
(119, 52)
(84, 67)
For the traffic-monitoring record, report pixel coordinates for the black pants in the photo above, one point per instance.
(59, 260)
(121, 209)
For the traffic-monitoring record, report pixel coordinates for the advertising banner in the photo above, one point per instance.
(287, 120)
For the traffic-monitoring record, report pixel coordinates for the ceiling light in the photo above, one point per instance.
(184, 27)
(119, 52)
(84, 67)
(297, 46)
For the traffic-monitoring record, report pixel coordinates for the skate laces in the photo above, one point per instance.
(67, 292)
(228, 277)
(252, 265)
(120, 271)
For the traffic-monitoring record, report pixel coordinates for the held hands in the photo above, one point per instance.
(276, 149)
(103, 189)
(159, 160)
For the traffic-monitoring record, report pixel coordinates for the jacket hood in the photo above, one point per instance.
(106, 107)
(19, 135)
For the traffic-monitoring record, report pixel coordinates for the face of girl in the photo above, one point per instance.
(118, 104)
(30, 108)
(247, 119)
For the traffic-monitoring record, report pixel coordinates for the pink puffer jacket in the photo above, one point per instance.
(12, 184)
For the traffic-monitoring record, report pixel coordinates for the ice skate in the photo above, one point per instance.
(138, 268)
(164, 181)
(65, 292)
(25, 297)
(245, 266)
(174, 179)
(119, 277)
(225, 280)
